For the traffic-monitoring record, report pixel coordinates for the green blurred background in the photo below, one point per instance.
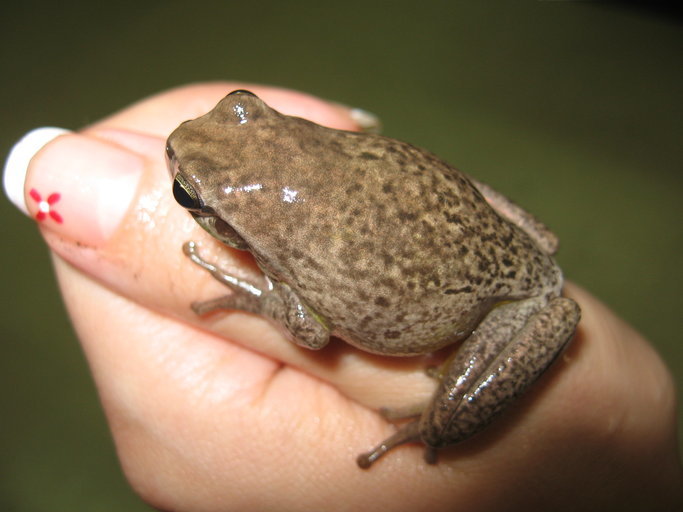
(583, 97)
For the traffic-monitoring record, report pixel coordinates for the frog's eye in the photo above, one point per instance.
(185, 195)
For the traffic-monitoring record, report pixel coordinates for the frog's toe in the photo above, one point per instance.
(430, 455)
(209, 306)
(407, 434)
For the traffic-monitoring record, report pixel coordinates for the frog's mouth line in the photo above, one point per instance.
(187, 197)
(220, 230)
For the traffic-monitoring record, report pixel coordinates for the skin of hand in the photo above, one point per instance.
(223, 413)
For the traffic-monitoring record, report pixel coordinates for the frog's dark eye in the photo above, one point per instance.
(169, 152)
(242, 91)
(185, 195)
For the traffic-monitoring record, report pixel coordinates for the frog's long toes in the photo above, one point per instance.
(430, 455)
(365, 460)
(202, 308)
(434, 372)
(197, 308)
(387, 413)
(190, 248)
(406, 434)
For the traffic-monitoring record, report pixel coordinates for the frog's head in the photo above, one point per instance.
(186, 195)
(206, 156)
(235, 164)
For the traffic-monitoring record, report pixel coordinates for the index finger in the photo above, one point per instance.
(159, 114)
(138, 253)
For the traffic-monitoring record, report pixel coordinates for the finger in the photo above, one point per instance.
(201, 421)
(631, 375)
(163, 112)
(120, 225)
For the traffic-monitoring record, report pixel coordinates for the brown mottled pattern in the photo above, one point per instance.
(509, 351)
(395, 249)
(384, 245)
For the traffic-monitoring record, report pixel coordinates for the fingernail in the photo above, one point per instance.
(77, 186)
(20, 156)
(367, 121)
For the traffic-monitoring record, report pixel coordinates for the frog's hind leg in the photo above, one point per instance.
(511, 348)
(541, 234)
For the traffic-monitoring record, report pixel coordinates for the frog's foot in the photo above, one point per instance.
(407, 434)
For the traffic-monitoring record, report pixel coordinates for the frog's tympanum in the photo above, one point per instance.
(383, 245)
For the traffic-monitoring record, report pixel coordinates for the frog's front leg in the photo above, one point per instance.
(510, 349)
(246, 296)
(278, 302)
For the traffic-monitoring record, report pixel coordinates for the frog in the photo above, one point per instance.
(381, 244)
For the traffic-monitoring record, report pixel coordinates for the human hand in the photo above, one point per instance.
(223, 413)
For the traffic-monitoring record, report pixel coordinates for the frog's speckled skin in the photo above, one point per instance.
(382, 244)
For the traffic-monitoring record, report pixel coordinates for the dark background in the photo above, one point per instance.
(573, 109)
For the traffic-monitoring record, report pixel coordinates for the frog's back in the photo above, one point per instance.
(394, 247)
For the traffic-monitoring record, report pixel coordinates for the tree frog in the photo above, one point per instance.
(383, 245)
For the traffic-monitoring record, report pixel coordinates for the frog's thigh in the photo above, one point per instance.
(541, 234)
(493, 368)
(285, 306)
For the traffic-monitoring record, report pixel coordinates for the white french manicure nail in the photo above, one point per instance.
(368, 121)
(20, 156)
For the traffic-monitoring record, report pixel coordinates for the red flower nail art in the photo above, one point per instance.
(45, 206)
